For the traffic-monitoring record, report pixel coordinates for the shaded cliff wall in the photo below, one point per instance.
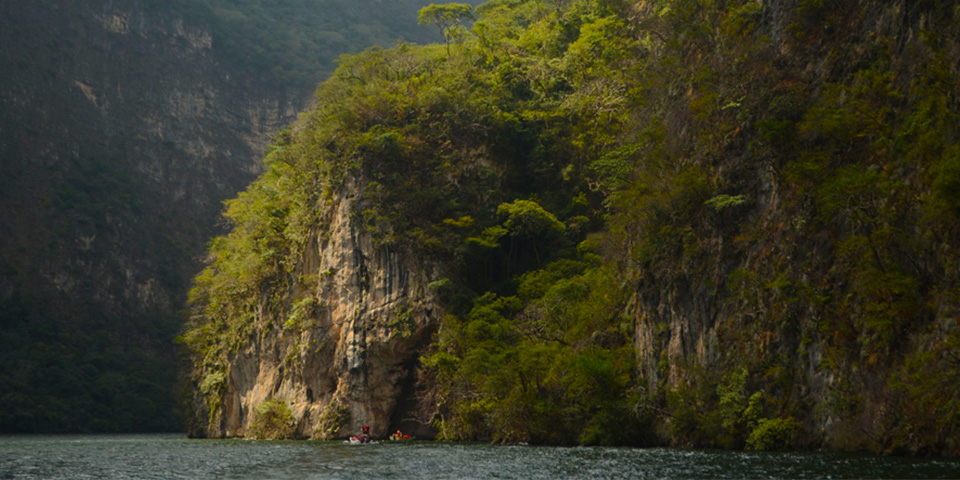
(822, 294)
(120, 134)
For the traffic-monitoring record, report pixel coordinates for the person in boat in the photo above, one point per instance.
(365, 434)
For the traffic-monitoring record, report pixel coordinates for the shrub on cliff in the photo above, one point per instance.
(272, 421)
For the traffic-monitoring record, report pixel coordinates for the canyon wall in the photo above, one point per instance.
(702, 224)
(121, 132)
(825, 302)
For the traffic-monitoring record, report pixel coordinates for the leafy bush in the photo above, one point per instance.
(272, 420)
(773, 434)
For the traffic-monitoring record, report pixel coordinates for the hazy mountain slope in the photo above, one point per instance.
(123, 125)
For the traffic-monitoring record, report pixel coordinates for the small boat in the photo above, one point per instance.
(359, 441)
(399, 437)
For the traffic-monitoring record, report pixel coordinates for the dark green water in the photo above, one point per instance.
(174, 457)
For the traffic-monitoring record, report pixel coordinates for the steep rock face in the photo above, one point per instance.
(120, 134)
(177, 143)
(348, 360)
(830, 321)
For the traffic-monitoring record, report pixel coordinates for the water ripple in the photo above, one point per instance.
(145, 457)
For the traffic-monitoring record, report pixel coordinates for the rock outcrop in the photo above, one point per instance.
(344, 355)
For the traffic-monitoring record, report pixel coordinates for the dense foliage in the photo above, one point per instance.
(587, 168)
(802, 188)
(65, 379)
(82, 368)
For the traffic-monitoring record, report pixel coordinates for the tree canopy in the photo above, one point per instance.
(448, 17)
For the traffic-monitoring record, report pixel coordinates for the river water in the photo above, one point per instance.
(176, 457)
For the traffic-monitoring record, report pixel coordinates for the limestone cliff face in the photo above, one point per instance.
(348, 359)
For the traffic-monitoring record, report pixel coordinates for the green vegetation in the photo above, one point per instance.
(601, 176)
(449, 18)
(333, 417)
(272, 421)
(66, 379)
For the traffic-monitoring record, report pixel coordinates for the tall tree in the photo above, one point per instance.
(448, 17)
